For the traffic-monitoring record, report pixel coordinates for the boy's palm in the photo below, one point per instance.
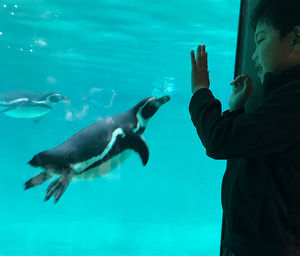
(241, 92)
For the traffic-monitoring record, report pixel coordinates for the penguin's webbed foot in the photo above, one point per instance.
(37, 180)
(59, 186)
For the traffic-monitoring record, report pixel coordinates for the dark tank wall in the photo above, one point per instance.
(244, 64)
(245, 49)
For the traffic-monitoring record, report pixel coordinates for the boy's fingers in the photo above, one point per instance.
(240, 78)
(234, 82)
(204, 57)
(243, 76)
(247, 77)
(237, 81)
(199, 55)
(194, 64)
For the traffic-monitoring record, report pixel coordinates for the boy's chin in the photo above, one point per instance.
(260, 76)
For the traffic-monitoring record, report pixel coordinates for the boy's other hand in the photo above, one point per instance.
(200, 74)
(242, 89)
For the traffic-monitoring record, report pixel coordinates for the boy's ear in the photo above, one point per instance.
(296, 36)
(297, 31)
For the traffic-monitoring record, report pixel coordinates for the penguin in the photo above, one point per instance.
(96, 149)
(19, 104)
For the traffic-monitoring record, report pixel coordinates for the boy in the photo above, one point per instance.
(261, 185)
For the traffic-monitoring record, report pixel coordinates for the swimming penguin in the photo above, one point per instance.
(97, 149)
(28, 104)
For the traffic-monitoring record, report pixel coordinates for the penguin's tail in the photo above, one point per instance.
(34, 161)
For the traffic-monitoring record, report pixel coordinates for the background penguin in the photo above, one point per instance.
(27, 104)
(97, 149)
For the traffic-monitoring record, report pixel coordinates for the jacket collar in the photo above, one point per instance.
(272, 81)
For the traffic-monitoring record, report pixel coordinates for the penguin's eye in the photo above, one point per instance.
(54, 98)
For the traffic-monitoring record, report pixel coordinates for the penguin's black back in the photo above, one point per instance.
(85, 144)
(13, 95)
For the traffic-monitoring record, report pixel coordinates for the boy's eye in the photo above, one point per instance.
(260, 40)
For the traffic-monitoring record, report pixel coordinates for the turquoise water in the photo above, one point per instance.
(106, 56)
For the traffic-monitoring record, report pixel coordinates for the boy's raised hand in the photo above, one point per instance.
(242, 89)
(200, 77)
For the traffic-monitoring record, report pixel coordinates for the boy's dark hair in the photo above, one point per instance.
(283, 15)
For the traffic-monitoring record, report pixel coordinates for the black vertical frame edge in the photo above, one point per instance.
(237, 68)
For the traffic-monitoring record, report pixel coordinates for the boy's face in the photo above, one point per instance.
(272, 52)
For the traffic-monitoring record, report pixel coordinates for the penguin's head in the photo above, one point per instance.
(151, 105)
(57, 97)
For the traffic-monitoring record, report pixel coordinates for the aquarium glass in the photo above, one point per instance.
(106, 56)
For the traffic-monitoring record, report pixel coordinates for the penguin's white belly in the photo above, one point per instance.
(28, 112)
(104, 168)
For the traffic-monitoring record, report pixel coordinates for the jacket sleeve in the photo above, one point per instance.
(274, 126)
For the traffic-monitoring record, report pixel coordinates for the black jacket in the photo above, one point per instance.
(261, 185)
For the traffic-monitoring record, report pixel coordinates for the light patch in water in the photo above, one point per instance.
(40, 42)
(164, 86)
(83, 112)
(49, 15)
(95, 90)
(114, 94)
(77, 115)
(51, 80)
(69, 116)
(198, 25)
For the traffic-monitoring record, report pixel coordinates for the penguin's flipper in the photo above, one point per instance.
(40, 105)
(59, 186)
(37, 180)
(38, 119)
(135, 142)
(8, 108)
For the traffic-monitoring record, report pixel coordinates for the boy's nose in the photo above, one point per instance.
(254, 56)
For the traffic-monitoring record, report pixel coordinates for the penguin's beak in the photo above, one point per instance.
(65, 99)
(162, 100)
